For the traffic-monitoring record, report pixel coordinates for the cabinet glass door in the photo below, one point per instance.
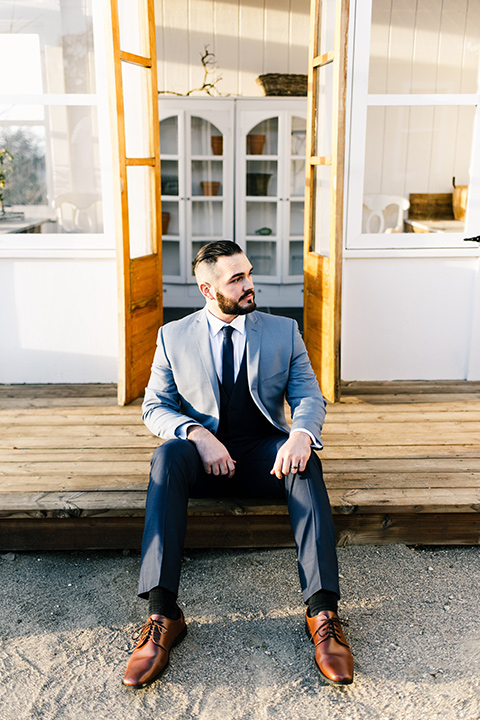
(262, 197)
(206, 220)
(196, 141)
(295, 194)
(171, 181)
(270, 198)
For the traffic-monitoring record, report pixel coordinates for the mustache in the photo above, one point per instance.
(250, 293)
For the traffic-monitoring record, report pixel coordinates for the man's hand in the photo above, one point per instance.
(213, 454)
(293, 455)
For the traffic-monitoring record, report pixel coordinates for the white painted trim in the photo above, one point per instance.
(360, 39)
(411, 253)
(398, 241)
(50, 99)
(473, 352)
(56, 253)
(105, 146)
(417, 99)
(11, 243)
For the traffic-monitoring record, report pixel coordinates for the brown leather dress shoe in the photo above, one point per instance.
(332, 654)
(150, 657)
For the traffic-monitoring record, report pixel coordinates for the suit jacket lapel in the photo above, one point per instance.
(254, 335)
(205, 353)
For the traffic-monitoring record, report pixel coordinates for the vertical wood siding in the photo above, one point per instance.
(248, 37)
(424, 46)
(427, 47)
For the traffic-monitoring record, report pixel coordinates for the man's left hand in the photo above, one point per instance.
(293, 455)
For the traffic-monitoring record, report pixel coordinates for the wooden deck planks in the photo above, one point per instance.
(401, 461)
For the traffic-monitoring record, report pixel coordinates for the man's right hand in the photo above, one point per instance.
(213, 454)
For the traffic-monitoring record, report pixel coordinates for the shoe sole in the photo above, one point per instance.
(181, 636)
(337, 683)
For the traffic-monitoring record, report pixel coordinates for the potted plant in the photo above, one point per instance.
(6, 168)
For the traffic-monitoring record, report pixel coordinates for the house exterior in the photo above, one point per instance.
(411, 289)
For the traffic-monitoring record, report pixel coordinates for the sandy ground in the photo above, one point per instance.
(66, 620)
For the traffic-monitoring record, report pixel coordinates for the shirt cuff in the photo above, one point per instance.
(181, 430)
(316, 444)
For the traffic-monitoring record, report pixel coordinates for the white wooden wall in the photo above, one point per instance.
(248, 37)
(59, 323)
(410, 318)
(421, 47)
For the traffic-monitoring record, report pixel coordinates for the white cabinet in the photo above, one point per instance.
(234, 169)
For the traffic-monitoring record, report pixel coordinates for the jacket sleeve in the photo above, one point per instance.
(161, 409)
(307, 404)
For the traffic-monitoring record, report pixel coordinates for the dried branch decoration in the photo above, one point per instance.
(208, 86)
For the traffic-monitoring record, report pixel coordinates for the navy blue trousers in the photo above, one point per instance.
(177, 474)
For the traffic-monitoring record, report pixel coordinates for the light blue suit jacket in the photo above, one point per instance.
(183, 385)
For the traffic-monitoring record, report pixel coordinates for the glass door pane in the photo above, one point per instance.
(132, 22)
(263, 256)
(424, 47)
(206, 138)
(261, 218)
(140, 182)
(136, 98)
(207, 220)
(207, 177)
(53, 183)
(169, 136)
(261, 178)
(413, 158)
(263, 138)
(321, 219)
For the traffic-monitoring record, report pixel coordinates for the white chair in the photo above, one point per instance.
(79, 212)
(384, 213)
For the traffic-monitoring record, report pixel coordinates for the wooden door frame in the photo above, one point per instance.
(140, 285)
(323, 275)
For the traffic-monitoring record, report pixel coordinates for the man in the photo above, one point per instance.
(216, 394)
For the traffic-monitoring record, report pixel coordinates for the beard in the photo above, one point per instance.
(232, 307)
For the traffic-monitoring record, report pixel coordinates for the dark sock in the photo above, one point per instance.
(322, 600)
(163, 602)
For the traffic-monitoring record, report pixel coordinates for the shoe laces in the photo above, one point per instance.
(152, 630)
(330, 628)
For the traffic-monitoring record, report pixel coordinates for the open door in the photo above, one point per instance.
(136, 153)
(324, 189)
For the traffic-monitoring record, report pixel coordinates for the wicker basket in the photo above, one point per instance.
(282, 84)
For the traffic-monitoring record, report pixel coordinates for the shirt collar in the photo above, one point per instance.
(215, 324)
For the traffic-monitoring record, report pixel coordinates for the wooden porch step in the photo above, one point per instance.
(31, 521)
(401, 462)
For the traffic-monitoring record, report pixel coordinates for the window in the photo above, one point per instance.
(414, 115)
(49, 120)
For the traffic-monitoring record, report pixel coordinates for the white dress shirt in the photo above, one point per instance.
(215, 327)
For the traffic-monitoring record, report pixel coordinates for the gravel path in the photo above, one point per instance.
(65, 621)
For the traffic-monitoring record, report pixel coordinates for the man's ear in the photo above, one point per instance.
(206, 290)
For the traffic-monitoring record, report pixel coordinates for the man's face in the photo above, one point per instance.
(232, 285)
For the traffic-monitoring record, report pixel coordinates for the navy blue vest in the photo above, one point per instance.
(239, 416)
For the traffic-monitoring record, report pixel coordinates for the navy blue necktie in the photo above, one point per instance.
(228, 375)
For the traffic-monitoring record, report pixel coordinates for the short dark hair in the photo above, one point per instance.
(210, 252)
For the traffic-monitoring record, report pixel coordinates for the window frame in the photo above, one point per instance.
(360, 100)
